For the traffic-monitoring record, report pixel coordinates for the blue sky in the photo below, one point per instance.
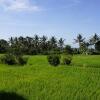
(60, 18)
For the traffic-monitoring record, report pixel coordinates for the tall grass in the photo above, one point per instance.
(39, 81)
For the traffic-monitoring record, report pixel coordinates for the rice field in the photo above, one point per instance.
(39, 81)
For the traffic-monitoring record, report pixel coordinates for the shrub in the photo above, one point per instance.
(8, 59)
(22, 60)
(11, 59)
(54, 60)
(66, 60)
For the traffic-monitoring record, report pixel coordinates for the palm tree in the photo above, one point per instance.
(36, 44)
(11, 41)
(43, 39)
(61, 43)
(43, 43)
(36, 39)
(53, 42)
(84, 47)
(94, 39)
(79, 40)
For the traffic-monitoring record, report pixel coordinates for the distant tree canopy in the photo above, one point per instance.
(68, 49)
(3, 46)
(97, 46)
(42, 45)
(31, 45)
(88, 47)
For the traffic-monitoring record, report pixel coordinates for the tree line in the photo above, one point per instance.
(91, 46)
(42, 45)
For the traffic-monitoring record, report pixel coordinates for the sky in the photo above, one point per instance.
(59, 18)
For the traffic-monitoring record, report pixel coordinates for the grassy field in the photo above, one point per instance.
(39, 81)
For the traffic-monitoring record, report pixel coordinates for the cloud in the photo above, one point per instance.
(18, 5)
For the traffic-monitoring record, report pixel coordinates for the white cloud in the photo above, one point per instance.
(18, 5)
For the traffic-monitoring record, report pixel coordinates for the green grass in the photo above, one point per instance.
(87, 61)
(39, 81)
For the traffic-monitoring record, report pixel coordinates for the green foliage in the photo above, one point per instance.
(68, 50)
(97, 46)
(54, 59)
(22, 60)
(42, 45)
(3, 46)
(8, 59)
(76, 51)
(54, 52)
(31, 45)
(83, 48)
(11, 59)
(66, 59)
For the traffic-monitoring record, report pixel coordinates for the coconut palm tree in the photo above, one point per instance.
(79, 40)
(61, 44)
(94, 39)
